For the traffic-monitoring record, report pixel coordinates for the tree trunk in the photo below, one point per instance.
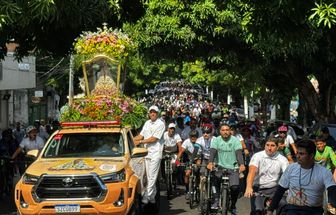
(327, 106)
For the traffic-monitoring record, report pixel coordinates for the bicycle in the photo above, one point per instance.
(267, 200)
(225, 196)
(194, 193)
(169, 179)
(205, 193)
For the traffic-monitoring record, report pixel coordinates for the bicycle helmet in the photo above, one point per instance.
(207, 129)
(283, 128)
(30, 128)
(193, 133)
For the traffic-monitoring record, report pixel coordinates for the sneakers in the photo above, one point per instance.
(187, 195)
(215, 204)
(144, 201)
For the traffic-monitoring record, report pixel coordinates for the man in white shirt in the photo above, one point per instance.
(172, 143)
(172, 140)
(306, 182)
(265, 170)
(29, 143)
(150, 136)
(205, 142)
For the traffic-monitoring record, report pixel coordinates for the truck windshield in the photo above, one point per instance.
(85, 145)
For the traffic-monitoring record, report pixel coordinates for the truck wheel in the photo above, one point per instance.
(136, 208)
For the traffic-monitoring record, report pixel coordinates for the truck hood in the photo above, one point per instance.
(62, 166)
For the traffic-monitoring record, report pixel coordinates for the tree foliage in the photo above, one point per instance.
(52, 25)
(251, 45)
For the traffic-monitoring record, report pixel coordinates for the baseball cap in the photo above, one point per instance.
(30, 128)
(171, 125)
(154, 107)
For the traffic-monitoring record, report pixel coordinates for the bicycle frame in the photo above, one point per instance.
(193, 186)
(205, 193)
(168, 174)
(225, 196)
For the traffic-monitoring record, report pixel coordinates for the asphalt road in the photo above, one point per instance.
(176, 205)
(179, 205)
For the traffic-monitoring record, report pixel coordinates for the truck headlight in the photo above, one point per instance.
(29, 179)
(114, 177)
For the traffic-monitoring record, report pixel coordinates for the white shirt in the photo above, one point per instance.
(153, 129)
(270, 169)
(239, 137)
(206, 144)
(314, 182)
(289, 140)
(189, 147)
(171, 142)
(28, 144)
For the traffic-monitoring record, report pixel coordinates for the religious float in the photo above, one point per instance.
(91, 165)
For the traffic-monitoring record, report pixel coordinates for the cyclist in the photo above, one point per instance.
(172, 143)
(265, 170)
(228, 150)
(236, 134)
(172, 140)
(194, 152)
(205, 142)
(252, 146)
(29, 143)
(329, 139)
(306, 183)
(283, 150)
(325, 155)
(289, 141)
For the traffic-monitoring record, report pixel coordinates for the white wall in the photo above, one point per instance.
(18, 75)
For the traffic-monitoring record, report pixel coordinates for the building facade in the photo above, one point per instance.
(16, 78)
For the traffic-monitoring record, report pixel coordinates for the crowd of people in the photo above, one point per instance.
(14, 143)
(214, 137)
(302, 170)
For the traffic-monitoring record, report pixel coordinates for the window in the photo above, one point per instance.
(86, 145)
(130, 141)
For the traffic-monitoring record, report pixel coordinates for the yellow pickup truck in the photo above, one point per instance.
(84, 168)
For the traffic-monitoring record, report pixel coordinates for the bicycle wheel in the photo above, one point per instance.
(191, 192)
(169, 181)
(224, 201)
(204, 206)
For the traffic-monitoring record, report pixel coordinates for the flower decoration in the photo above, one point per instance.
(105, 102)
(123, 109)
(112, 43)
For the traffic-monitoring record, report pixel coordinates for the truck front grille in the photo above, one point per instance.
(51, 187)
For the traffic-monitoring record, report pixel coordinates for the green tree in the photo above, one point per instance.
(52, 25)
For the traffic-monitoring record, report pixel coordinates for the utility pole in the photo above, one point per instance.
(71, 88)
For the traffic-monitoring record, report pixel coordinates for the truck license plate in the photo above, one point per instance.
(67, 208)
